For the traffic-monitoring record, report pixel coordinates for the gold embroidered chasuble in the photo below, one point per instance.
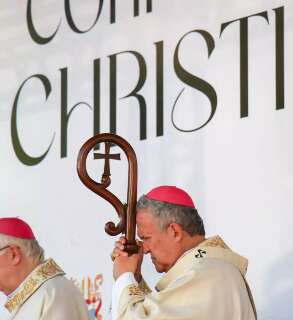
(207, 283)
(47, 295)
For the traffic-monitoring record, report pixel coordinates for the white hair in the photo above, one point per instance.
(29, 247)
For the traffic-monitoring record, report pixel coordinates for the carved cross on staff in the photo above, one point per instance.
(126, 212)
(106, 180)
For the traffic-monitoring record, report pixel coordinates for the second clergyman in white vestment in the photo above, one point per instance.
(36, 289)
(47, 295)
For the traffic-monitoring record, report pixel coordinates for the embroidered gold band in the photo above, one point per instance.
(45, 271)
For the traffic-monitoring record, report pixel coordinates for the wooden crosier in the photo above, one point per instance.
(126, 212)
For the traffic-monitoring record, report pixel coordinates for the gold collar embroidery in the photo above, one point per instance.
(214, 242)
(45, 271)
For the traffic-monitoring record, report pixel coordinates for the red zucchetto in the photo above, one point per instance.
(16, 227)
(171, 194)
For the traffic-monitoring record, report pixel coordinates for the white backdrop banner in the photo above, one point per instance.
(200, 89)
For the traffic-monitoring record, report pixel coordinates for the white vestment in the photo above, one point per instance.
(206, 283)
(47, 295)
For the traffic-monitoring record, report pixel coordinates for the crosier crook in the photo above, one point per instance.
(126, 212)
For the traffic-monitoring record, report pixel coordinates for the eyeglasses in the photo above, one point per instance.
(4, 248)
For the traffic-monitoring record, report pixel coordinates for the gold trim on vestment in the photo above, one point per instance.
(45, 271)
(215, 241)
(135, 290)
(144, 287)
(139, 290)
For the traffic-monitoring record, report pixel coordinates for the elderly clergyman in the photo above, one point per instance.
(204, 279)
(36, 289)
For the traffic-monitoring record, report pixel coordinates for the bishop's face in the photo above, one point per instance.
(158, 243)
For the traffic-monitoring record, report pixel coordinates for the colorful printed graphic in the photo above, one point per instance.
(90, 289)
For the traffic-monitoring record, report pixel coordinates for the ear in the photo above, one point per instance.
(176, 231)
(15, 255)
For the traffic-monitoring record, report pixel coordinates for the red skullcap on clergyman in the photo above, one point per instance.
(16, 227)
(171, 194)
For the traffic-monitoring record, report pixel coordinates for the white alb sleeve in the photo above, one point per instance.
(126, 279)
